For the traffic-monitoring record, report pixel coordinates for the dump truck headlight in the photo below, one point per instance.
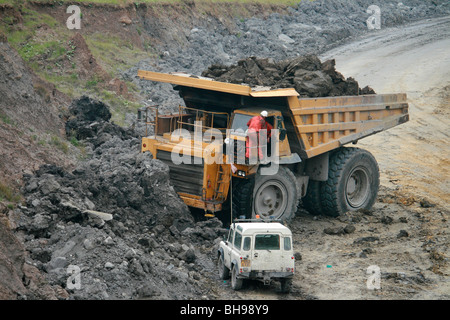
(241, 173)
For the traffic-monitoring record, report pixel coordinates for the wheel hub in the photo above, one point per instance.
(270, 199)
(357, 187)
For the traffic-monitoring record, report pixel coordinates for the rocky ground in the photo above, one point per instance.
(154, 247)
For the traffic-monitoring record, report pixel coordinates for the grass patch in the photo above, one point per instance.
(6, 120)
(8, 194)
(59, 144)
(114, 54)
(52, 50)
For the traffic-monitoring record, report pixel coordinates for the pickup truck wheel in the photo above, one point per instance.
(236, 283)
(286, 285)
(353, 182)
(224, 272)
(276, 196)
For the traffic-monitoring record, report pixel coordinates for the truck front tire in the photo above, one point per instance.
(353, 182)
(276, 196)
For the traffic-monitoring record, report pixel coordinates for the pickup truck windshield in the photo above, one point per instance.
(267, 242)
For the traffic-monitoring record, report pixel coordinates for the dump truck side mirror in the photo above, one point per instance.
(282, 134)
(280, 128)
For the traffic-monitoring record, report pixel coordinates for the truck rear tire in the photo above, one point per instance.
(353, 182)
(276, 196)
(311, 201)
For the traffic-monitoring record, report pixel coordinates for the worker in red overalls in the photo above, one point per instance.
(256, 124)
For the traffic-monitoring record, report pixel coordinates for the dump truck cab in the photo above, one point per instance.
(257, 250)
(239, 126)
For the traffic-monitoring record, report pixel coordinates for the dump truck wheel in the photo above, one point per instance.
(353, 182)
(275, 196)
(311, 201)
(242, 198)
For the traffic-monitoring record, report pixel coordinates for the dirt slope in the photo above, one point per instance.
(30, 111)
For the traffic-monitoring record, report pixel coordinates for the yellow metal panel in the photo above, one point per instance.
(193, 201)
(274, 93)
(327, 123)
(195, 82)
(209, 84)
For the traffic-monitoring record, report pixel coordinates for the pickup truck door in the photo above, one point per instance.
(267, 253)
(228, 247)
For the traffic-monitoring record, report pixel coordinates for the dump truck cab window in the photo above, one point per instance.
(240, 121)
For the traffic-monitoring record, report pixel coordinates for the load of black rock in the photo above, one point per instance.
(307, 74)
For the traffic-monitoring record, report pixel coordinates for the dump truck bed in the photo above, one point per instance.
(314, 125)
(324, 124)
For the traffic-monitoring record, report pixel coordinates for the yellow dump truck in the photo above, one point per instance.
(312, 162)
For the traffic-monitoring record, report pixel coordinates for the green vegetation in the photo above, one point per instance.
(8, 194)
(7, 120)
(114, 53)
(58, 143)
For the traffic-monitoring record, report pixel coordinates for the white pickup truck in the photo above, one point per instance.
(257, 250)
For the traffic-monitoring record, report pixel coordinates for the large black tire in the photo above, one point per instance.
(311, 201)
(242, 198)
(275, 196)
(353, 182)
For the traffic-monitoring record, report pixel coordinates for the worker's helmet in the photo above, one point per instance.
(264, 113)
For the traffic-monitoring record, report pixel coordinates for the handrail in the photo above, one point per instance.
(202, 115)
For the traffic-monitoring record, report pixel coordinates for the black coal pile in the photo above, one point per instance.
(89, 120)
(307, 74)
(116, 219)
